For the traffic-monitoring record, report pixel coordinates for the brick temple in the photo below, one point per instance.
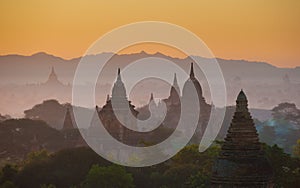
(242, 162)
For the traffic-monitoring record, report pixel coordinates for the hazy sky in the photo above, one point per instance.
(262, 30)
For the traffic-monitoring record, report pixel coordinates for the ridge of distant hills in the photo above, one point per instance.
(20, 69)
(20, 76)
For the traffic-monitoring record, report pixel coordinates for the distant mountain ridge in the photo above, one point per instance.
(48, 55)
(265, 84)
(36, 67)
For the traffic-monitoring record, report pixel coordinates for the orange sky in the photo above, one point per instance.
(262, 30)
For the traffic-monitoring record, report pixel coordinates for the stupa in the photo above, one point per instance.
(241, 162)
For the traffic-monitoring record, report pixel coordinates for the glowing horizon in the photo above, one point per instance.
(265, 31)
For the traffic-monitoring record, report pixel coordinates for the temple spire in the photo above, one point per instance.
(119, 75)
(241, 102)
(68, 123)
(176, 87)
(192, 75)
(52, 73)
(119, 90)
(53, 79)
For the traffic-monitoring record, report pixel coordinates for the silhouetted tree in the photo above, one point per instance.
(63, 169)
(286, 168)
(106, 177)
(50, 111)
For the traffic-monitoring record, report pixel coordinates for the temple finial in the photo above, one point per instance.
(241, 102)
(242, 96)
(192, 75)
(52, 71)
(175, 90)
(119, 75)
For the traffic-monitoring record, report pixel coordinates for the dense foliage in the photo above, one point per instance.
(81, 167)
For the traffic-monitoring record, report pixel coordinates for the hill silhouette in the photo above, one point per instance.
(19, 137)
(65, 67)
(21, 77)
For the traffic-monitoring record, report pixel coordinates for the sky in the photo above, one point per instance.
(257, 30)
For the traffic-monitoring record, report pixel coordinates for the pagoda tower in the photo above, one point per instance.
(151, 103)
(53, 79)
(193, 81)
(107, 113)
(68, 123)
(173, 106)
(203, 117)
(241, 162)
(70, 131)
(174, 97)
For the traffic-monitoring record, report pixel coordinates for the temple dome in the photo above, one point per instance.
(191, 83)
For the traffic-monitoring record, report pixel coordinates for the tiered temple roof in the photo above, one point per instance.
(241, 162)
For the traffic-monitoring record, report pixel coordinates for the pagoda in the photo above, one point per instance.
(108, 111)
(68, 123)
(193, 83)
(53, 79)
(174, 97)
(241, 162)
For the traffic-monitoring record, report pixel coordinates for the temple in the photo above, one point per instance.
(52, 80)
(205, 109)
(241, 162)
(68, 122)
(193, 81)
(70, 131)
(174, 97)
(118, 103)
